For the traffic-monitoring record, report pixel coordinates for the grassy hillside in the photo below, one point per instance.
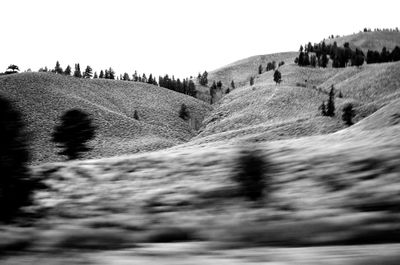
(267, 111)
(370, 40)
(241, 71)
(43, 97)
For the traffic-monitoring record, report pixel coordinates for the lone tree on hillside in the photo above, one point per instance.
(12, 68)
(251, 80)
(16, 187)
(260, 69)
(277, 77)
(136, 115)
(72, 134)
(184, 112)
(348, 114)
(330, 108)
(233, 85)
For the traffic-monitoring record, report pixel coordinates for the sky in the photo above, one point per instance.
(179, 37)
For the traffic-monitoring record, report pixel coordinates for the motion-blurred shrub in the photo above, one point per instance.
(75, 130)
(16, 187)
(252, 173)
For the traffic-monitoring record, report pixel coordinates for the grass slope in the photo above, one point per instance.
(43, 97)
(369, 40)
(267, 111)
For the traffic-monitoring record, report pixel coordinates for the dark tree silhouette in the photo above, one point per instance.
(348, 114)
(88, 72)
(252, 173)
(77, 72)
(58, 69)
(260, 69)
(13, 68)
(184, 112)
(74, 131)
(330, 108)
(233, 85)
(322, 108)
(101, 75)
(203, 79)
(277, 77)
(251, 80)
(67, 70)
(95, 75)
(136, 115)
(16, 187)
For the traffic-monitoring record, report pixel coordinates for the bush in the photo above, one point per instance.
(252, 173)
(184, 112)
(348, 114)
(74, 131)
(15, 186)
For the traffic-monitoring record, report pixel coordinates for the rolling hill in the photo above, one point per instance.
(365, 41)
(329, 184)
(43, 97)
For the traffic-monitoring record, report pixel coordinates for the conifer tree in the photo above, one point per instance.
(260, 69)
(77, 72)
(126, 77)
(101, 75)
(322, 108)
(330, 108)
(233, 85)
(67, 70)
(88, 72)
(58, 69)
(95, 75)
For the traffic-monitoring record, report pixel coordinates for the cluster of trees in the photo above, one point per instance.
(270, 66)
(186, 86)
(328, 109)
(202, 78)
(384, 56)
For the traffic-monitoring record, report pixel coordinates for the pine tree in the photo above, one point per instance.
(111, 73)
(277, 77)
(260, 69)
(203, 79)
(191, 88)
(101, 75)
(233, 85)
(58, 69)
(88, 72)
(324, 60)
(95, 75)
(67, 70)
(77, 72)
(330, 108)
(74, 131)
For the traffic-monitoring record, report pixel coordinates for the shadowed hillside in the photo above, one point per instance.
(43, 97)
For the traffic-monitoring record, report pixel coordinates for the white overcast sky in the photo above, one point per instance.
(181, 37)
